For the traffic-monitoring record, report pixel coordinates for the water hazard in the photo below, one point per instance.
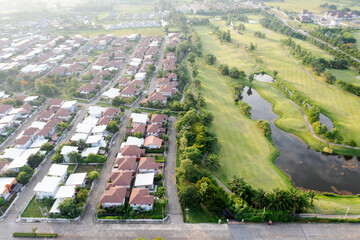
(306, 167)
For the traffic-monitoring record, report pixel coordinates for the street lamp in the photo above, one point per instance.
(187, 214)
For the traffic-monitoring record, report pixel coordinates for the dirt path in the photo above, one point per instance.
(217, 180)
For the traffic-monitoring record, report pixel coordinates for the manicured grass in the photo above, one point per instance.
(88, 168)
(290, 119)
(333, 102)
(243, 150)
(357, 36)
(71, 168)
(349, 75)
(33, 209)
(200, 215)
(336, 205)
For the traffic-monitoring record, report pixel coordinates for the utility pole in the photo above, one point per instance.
(187, 214)
(317, 210)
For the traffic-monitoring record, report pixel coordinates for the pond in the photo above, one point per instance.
(326, 121)
(307, 168)
(263, 78)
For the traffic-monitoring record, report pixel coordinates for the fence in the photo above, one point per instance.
(56, 220)
(137, 221)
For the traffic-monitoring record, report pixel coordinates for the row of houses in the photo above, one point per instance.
(54, 186)
(166, 87)
(41, 131)
(133, 83)
(11, 117)
(44, 128)
(132, 162)
(93, 128)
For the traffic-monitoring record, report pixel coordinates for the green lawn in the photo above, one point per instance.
(71, 168)
(200, 215)
(243, 150)
(357, 36)
(349, 75)
(88, 168)
(245, 159)
(333, 102)
(336, 205)
(33, 210)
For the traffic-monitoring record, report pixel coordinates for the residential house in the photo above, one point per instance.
(63, 114)
(7, 184)
(138, 128)
(70, 105)
(3, 166)
(87, 88)
(132, 151)
(58, 170)
(113, 197)
(153, 142)
(155, 129)
(145, 180)
(162, 82)
(123, 82)
(23, 142)
(141, 200)
(76, 179)
(138, 119)
(172, 76)
(111, 112)
(66, 150)
(119, 179)
(158, 119)
(148, 165)
(56, 102)
(5, 109)
(47, 188)
(46, 115)
(167, 90)
(104, 121)
(125, 164)
(129, 92)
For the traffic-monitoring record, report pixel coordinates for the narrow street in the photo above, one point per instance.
(174, 208)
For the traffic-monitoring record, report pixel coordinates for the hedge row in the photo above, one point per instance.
(38, 235)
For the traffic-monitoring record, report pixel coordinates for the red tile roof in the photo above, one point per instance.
(114, 195)
(152, 140)
(141, 196)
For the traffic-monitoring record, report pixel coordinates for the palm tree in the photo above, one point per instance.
(212, 161)
(311, 195)
(34, 229)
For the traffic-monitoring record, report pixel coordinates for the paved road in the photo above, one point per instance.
(174, 208)
(99, 188)
(85, 231)
(28, 192)
(152, 83)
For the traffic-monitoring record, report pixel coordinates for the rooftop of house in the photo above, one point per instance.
(141, 196)
(114, 195)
